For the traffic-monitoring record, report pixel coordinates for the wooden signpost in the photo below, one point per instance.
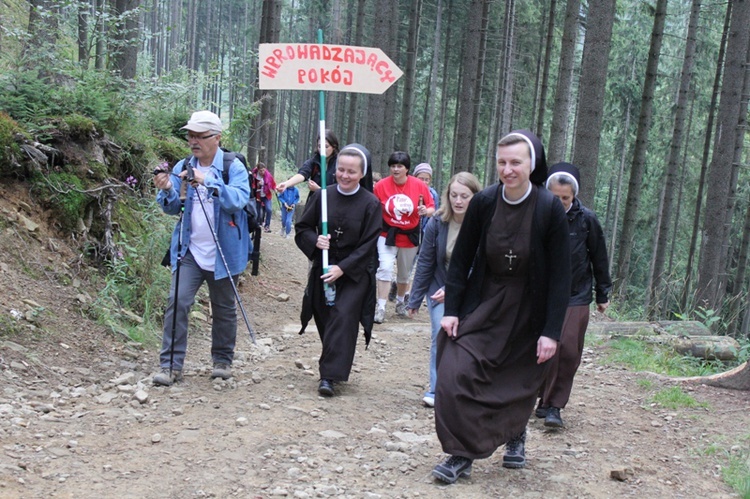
(335, 68)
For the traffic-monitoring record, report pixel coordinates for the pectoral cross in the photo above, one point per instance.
(338, 233)
(510, 256)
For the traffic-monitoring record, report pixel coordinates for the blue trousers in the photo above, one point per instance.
(286, 220)
(265, 205)
(223, 308)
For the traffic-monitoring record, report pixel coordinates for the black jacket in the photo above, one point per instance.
(588, 257)
(549, 275)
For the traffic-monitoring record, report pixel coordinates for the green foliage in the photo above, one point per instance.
(78, 126)
(9, 327)
(9, 149)
(644, 356)
(62, 192)
(135, 281)
(674, 398)
(646, 384)
(734, 461)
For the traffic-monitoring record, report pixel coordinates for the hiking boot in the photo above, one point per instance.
(379, 315)
(392, 292)
(515, 452)
(428, 401)
(541, 410)
(223, 371)
(165, 378)
(325, 388)
(401, 309)
(453, 468)
(553, 419)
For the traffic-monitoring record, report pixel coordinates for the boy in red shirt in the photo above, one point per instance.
(404, 199)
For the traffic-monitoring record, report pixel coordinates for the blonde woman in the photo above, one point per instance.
(440, 236)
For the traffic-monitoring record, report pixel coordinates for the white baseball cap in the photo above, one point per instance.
(203, 121)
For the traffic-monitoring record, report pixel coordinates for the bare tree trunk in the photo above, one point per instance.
(351, 127)
(100, 30)
(620, 175)
(443, 102)
(83, 42)
(429, 126)
(391, 96)
(655, 286)
(686, 292)
(125, 58)
(508, 79)
(709, 292)
(463, 156)
(558, 132)
(739, 278)
(641, 144)
(599, 22)
(683, 177)
(545, 70)
(410, 74)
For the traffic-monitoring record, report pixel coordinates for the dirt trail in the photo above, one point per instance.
(71, 424)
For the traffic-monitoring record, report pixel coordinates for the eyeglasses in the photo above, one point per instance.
(198, 137)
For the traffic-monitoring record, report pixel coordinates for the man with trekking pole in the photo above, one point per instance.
(210, 244)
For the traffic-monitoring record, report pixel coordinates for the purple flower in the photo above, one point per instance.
(131, 181)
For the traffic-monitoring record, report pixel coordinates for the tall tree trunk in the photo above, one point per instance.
(463, 155)
(410, 74)
(83, 41)
(429, 126)
(559, 129)
(99, 60)
(641, 143)
(125, 58)
(680, 193)
(685, 302)
(444, 101)
(480, 78)
(351, 129)
(542, 109)
(739, 278)
(709, 292)
(655, 287)
(508, 78)
(599, 22)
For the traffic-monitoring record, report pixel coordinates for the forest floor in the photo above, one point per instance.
(80, 418)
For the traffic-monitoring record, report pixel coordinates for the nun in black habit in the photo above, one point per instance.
(506, 294)
(354, 224)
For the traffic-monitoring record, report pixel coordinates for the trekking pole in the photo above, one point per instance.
(223, 260)
(183, 196)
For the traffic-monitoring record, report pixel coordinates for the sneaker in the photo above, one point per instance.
(428, 401)
(165, 378)
(267, 229)
(541, 410)
(282, 232)
(453, 468)
(392, 292)
(515, 452)
(223, 371)
(553, 419)
(379, 315)
(401, 309)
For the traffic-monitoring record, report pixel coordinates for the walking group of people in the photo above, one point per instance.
(507, 274)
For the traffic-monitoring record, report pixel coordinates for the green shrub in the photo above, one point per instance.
(9, 150)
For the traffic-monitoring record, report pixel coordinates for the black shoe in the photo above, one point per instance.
(553, 419)
(325, 388)
(453, 468)
(541, 410)
(515, 452)
(392, 292)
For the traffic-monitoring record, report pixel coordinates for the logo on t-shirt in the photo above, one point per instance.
(399, 206)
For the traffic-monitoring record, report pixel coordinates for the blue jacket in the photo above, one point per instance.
(430, 274)
(290, 196)
(230, 220)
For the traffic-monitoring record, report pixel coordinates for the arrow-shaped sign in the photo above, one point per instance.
(315, 66)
